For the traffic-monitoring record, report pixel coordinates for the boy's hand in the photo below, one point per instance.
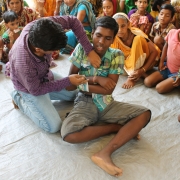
(176, 83)
(106, 83)
(94, 59)
(77, 79)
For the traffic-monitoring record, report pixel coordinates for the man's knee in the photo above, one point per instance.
(51, 127)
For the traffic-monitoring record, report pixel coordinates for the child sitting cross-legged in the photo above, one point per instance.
(161, 28)
(94, 102)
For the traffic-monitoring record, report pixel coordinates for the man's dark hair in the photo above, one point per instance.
(9, 16)
(47, 35)
(168, 7)
(107, 22)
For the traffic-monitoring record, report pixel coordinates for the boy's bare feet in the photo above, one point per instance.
(15, 106)
(128, 84)
(105, 163)
(179, 117)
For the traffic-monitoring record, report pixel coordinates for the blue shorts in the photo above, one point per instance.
(166, 73)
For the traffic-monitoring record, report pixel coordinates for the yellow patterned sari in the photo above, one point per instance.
(136, 55)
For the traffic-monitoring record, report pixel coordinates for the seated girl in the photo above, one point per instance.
(128, 5)
(140, 53)
(140, 18)
(168, 76)
(82, 9)
(110, 7)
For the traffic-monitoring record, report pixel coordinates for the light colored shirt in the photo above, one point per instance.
(111, 63)
(32, 75)
(173, 53)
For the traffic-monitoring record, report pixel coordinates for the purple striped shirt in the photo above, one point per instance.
(30, 74)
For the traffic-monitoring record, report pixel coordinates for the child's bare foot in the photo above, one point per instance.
(179, 117)
(105, 163)
(15, 106)
(128, 84)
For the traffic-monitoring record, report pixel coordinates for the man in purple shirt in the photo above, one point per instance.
(35, 85)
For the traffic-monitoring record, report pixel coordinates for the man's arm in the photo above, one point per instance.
(104, 85)
(71, 22)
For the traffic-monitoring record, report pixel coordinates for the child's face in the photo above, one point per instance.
(141, 5)
(12, 25)
(107, 8)
(164, 16)
(70, 3)
(15, 5)
(102, 39)
(123, 27)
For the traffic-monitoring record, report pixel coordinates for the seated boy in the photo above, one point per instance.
(11, 20)
(161, 28)
(96, 104)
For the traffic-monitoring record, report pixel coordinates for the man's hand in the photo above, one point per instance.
(94, 59)
(106, 83)
(76, 79)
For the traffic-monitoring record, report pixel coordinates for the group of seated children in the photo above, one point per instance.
(124, 42)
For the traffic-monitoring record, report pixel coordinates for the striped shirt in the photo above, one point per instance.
(29, 73)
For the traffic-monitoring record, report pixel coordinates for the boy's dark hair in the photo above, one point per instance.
(169, 7)
(107, 22)
(9, 16)
(158, 3)
(47, 35)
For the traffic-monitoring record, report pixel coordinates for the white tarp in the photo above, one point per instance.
(29, 153)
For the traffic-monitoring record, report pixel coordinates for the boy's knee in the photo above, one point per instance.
(148, 83)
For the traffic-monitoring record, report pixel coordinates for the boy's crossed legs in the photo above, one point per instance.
(129, 119)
